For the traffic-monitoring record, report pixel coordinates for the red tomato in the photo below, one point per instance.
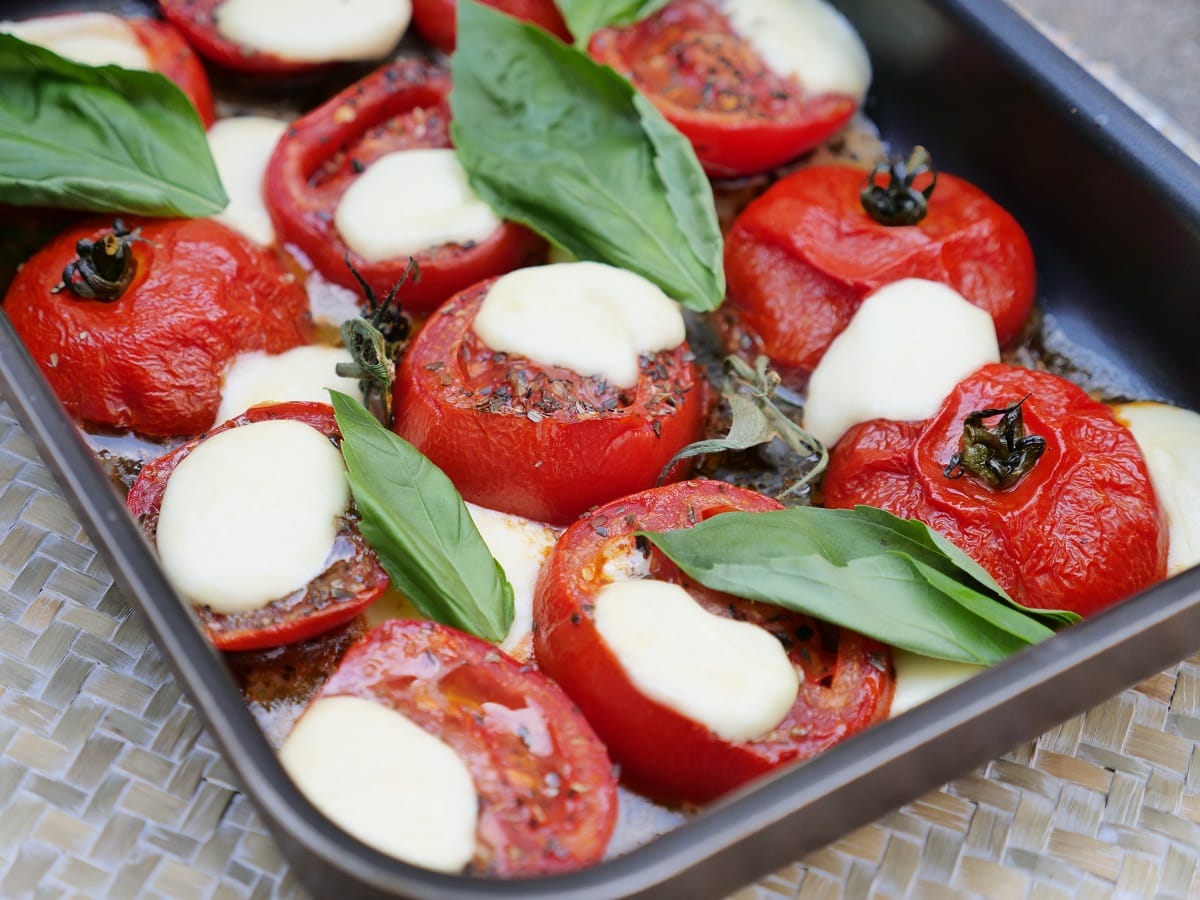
(540, 441)
(435, 19)
(402, 106)
(152, 360)
(801, 258)
(170, 55)
(547, 791)
(1080, 531)
(352, 582)
(846, 680)
(741, 117)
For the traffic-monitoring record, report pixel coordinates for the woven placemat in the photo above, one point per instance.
(109, 786)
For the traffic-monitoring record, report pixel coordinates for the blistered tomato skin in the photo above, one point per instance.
(403, 106)
(846, 680)
(435, 19)
(740, 116)
(541, 442)
(547, 790)
(170, 54)
(152, 360)
(802, 257)
(1080, 531)
(352, 582)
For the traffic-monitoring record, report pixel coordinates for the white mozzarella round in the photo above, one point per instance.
(93, 39)
(409, 201)
(520, 545)
(588, 317)
(315, 31)
(241, 147)
(920, 678)
(302, 373)
(732, 677)
(251, 515)
(905, 349)
(385, 780)
(808, 39)
(1169, 438)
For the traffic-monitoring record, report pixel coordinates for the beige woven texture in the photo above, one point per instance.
(109, 786)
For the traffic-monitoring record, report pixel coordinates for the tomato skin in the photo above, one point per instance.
(196, 20)
(660, 751)
(542, 463)
(548, 800)
(170, 54)
(402, 106)
(152, 360)
(1081, 531)
(801, 258)
(351, 583)
(740, 116)
(436, 20)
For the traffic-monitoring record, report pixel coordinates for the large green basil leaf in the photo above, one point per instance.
(419, 527)
(586, 16)
(99, 138)
(554, 141)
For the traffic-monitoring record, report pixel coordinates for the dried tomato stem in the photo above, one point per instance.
(1001, 456)
(897, 201)
(104, 268)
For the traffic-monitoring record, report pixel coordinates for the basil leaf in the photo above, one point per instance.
(567, 147)
(586, 16)
(863, 569)
(99, 138)
(420, 529)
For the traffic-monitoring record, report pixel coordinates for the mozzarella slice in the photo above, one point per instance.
(588, 317)
(315, 31)
(808, 39)
(302, 373)
(520, 545)
(241, 147)
(251, 515)
(732, 677)
(93, 39)
(905, 349)
(409, 201)
(920, 678)
(1169, 438)
(385, 780)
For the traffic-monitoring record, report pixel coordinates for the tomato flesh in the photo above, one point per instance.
(170, 55)
(436, 20)
(1081, 531)
(846, 679)
(539, 441)
(548, 800)
(402, 106)
(740, 116)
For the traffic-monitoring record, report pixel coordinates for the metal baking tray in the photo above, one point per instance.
(1113, 211)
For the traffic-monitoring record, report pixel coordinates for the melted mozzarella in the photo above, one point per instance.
(1169, 438)
(315, 31)
(241, 147)
(93, 39)
(905, 349)
(302, 373)
(251, 515)
(588, 317)
(409, 201)
(920, 678)
(385, 780)
(732, 677)
(808, 39)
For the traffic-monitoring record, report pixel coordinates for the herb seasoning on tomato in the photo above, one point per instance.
(1026, 473)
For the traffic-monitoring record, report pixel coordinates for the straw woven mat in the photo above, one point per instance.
(109, 786)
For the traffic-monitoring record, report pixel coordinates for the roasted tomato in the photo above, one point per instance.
(353, 580)
(547, 791)
(801, 258)
(741, 116)
(540, 441)
(402, 106)
(170, 55)
(435, 19)
(139, 333)
(846, 682)
(1026, 473)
